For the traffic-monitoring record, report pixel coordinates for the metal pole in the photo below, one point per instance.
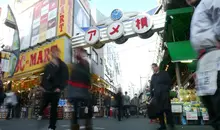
(177, 69)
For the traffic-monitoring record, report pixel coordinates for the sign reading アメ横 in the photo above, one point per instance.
(141, 25)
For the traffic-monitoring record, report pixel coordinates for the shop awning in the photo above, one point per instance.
(177, 27)
(181, 51)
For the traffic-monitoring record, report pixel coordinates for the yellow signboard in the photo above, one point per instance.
(36, 59)
(65, 18)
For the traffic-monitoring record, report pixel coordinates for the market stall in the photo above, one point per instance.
(188, 109)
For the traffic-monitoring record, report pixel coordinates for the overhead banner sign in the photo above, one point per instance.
(24, 24)
(44, 21)
(65, 18)
(142, 25)
(10, 21)
(37, 58)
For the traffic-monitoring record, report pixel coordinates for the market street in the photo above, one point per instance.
(99, 124)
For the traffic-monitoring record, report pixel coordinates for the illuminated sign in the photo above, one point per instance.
(37, 58)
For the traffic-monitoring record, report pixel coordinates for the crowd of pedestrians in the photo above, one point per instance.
(124, 105)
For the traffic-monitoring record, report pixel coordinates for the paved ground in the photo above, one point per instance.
(99, 124)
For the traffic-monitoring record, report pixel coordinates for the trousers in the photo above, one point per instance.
(52, 99)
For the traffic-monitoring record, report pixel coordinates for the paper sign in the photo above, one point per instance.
(191, 116)
(177, 108)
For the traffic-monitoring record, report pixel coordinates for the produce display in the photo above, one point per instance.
(188, 105)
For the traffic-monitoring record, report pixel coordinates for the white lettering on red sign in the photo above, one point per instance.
(92, 36)
(115, 30)
(142, 23)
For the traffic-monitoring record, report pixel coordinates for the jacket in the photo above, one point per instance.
(161, 86)
(80, 81)
(205, 25)
(119, 99)
(135, 101)
(126, 100)
(55, 76)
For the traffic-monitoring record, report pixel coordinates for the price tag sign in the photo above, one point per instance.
(177, 108)
(191, 116)
(205, 116)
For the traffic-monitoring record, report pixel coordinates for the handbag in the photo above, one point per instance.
(152, 109)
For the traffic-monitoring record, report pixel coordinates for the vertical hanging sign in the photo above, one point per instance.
(65, 18)
(10, 21)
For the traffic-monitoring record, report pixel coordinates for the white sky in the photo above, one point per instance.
(136, 58)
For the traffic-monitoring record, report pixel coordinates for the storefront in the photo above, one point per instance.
(30, 69)
(180, 62)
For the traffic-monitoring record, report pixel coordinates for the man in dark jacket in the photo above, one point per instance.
(78, 88)
(119, 103)
(160, 88)
(53, 82)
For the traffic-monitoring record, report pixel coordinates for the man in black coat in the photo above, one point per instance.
(119, 103)
(53, 82)
(160, 88)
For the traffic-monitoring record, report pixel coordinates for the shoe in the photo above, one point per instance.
(162, 128)
(39, 118)
(51, 129)
(172, 127)
(75, 127)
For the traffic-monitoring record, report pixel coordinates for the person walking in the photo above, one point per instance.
(135, 102)
(160, 87)
(127, 103)
(10, 101)
(53, 83)
(205, 39)
(119, 103)
(78, 89)
(107, 103)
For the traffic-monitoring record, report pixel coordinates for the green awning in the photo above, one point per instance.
(181, 51)
(177, 27)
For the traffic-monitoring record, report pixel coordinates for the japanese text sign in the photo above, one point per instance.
(92, 36)
(115, 30)
(65, 18)
(142, 23)
(191, 116)
(37, 58)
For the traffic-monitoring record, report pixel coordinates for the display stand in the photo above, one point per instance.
(177, 109)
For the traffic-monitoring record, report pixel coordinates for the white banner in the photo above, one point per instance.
(206, 74)
(5, 65)
(24, 24)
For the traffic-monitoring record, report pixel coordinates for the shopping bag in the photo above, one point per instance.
(206, 74)
(152, 109)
